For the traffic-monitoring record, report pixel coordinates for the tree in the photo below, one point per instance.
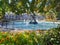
(27, 6)
(4, 6)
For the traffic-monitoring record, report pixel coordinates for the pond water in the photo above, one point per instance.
(27, 26)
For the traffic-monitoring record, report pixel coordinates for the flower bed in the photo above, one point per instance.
(50, 37)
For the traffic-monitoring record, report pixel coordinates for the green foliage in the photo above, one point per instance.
(22, 5)
(49, 37)
(52, 36)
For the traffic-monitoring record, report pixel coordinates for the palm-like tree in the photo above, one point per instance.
(27, 6)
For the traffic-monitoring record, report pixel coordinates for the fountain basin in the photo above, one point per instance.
(26, 26)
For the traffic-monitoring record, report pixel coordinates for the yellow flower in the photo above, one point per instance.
(14, 39)
(26, 36)
(7, 38)
(2, 40)
(3, 32)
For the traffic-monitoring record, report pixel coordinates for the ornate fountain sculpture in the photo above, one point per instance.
(33, 21)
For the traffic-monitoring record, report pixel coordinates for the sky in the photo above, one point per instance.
(10, 1)
(30, 0)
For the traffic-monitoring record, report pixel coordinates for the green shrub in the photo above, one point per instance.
(50, 37)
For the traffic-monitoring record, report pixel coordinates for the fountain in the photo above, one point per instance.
(33, 21)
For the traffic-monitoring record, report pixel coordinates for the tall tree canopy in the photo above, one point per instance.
(27, 6)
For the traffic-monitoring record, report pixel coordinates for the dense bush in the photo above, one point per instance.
(26, 38)
(50, 37)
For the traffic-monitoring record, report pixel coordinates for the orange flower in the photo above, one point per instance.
(2, 40)
(3, 32)
(7, 38)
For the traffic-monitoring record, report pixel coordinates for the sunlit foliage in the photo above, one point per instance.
(28, 6)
